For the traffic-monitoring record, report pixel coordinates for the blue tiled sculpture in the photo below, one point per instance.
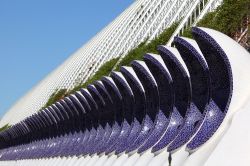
(199, 78)
(168, 103)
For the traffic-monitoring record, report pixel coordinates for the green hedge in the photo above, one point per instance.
(138, 52)
(5, 127)
(187, 33)
(135, 54)
(57, 95)
(227, 18)
(104, 70)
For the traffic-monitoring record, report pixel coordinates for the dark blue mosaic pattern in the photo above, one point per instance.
(92, 135)
(222, 87)
(101, 132)
(182, 91)
(211, 123)
(81, 144)
(187, 129)
(159, 128)
(147, 127)
(135, 130)
(166, 99)
(121, 139)
(158, 104)
(106, 137)
(116, 130)
(199, 75)
(172, 130)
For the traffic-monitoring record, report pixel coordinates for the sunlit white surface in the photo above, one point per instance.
(136, 24)
(235, 145)
(239, 59)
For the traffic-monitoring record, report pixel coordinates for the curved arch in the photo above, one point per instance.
(62, 105)
(115, 96)
(107, 112)
(127, 95)
(98, 100)
(182, 91)
(117, 108)
(83, 102)
(138, 91)
(198, 70)
(96, 134)
(180, 77)
(64, 119)
(164, 82)
(81, 118)
(58, 106)
(127, 107)
(139, 106)
(94, 107)
(77, 104)
(166, 99)
(87, 118)
(221, 86)
(152, 103)
(150, 87)
(68, 116)
(200, 81)
(56, 120)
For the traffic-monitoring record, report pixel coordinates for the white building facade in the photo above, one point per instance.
(143, 19)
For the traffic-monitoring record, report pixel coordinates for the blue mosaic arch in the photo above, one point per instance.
(166, 99)
(139, 105)
(165, 103)
(115, 128)
(97, 134)
(221, 87)
(199, 78)
(127, 105)
(119, 115)
(182, 95)
(152, 103)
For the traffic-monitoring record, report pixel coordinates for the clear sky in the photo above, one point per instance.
(38, 35)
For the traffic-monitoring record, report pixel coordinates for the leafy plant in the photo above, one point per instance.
(150, 47)
(228, 17)
(57, 95)
(187, 33)
(104, 70)
(5, 127)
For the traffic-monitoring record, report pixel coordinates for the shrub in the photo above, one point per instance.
(104, 70)
(150, 47)
(57, 95)
(187, 33)
(135, 54)
(228, 17)
(5, 127)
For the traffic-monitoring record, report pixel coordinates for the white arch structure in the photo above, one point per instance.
(141, 20)
(223, 130)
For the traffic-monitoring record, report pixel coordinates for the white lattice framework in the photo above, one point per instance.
(144, 19)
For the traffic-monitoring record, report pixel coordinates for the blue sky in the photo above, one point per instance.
(37, 36)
